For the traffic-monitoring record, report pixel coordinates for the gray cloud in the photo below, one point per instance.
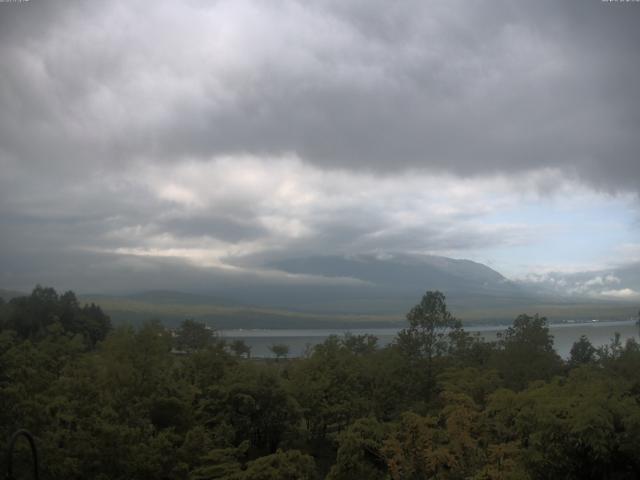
(106, 112)
(214, 225)
(621, 283)
(473, 89)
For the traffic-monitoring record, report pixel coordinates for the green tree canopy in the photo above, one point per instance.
(582, 352)
(193, 335)
(240, 348)
(30, 316)
(525, 352)
(280, 350)
(433, 332)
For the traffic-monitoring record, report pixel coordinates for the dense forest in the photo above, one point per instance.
(438, 403)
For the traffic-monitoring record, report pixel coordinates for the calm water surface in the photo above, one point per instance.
(298, 340)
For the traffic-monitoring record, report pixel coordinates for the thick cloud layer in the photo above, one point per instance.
(468, 88)
(229, 133)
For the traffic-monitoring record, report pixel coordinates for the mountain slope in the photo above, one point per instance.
(407, 273)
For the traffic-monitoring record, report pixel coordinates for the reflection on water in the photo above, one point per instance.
(298, 340)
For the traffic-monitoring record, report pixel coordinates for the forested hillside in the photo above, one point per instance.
(152, 403)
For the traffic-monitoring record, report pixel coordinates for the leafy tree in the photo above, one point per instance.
(30, 316)
(611, 352)
(282, 465)
(206, 367)
(96, 324)
(280, 350)
(360, 344)
(331, 387)
(197, 443)
(240, 348)
(360, 452)
(226, 464)
(119, 404)
(457, 442)
(432, 332)
(429, 325)
(222, 464)
(477, 383)
(385, 378)
(260, 409)
(169, 412)
(584, 427)
(525, 352)
(582, 352)
(529, 330)
(193, 335)
(32, 313)
(622, 361)
(432, 447)
(134, 364)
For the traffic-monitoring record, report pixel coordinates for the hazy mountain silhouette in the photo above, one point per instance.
(406, 272)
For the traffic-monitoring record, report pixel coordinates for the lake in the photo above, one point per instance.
(298, 340)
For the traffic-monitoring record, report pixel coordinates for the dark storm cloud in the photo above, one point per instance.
(469, 88)
(102, 104)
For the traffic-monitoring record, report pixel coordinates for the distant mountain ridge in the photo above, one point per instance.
(387, 287)
(406, 272)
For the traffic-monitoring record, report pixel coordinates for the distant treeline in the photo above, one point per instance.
(438, 403)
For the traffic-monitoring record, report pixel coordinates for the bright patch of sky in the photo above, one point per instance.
(568, 233)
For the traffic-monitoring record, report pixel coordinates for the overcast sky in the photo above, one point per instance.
(199, 140)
